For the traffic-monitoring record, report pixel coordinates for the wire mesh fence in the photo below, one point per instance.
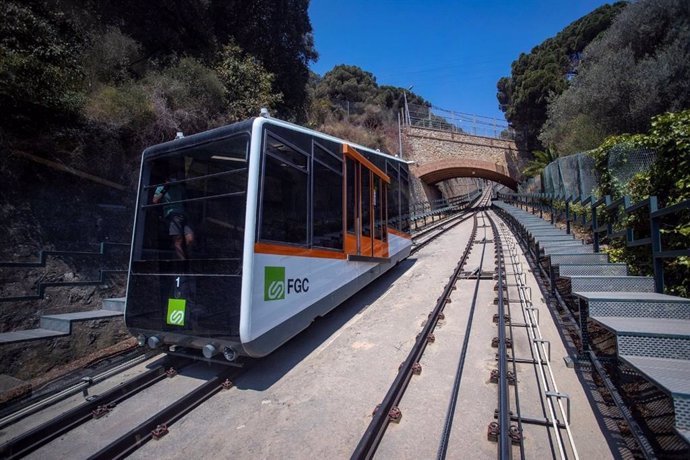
(577, 176)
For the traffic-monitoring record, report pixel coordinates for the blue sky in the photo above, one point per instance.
(453, 52)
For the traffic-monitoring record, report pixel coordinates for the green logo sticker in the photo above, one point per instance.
(274, 283)
(176, 309)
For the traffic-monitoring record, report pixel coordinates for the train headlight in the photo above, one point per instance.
(209, 351)
(230, 354)
(141, 340)
(153, 342)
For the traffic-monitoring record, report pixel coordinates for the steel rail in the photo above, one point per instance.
(637, 433)
(366, 448)
(518, 408)
(537, 348)
(505, 451)
(46, 432)
(83, 385)
(141, 434)
(450, 412)
(465, 215)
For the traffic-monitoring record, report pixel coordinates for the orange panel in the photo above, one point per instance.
(380, 248)
(367, 248)
(284, 250)
(347, 150)
(350, 244)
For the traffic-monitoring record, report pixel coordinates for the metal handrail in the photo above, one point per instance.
(602, 228)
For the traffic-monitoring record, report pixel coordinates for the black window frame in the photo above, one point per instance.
(260, 208)
(312, 178)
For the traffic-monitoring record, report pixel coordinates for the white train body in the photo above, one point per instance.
(245, 234)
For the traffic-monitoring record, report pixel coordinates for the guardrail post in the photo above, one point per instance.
(551, 206)
(609, 225)
(567, 215)
(595, 227)
(655, 235)
(541, 206)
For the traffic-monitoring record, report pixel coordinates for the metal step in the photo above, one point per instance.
(61, 325)
(29, 335)
(579, 249)
(63, 322)
(673, 376)
(559, 244)
(114, 304)
(550, 238)
(574, 269)
(610, 283)
(650, 337)
(636, 305)
(558, 259)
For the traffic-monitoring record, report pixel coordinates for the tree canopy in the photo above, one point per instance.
(348, 102)
(538, 75)
(61, 59)
(638, 68)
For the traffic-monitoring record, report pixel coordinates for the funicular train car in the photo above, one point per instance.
(244, 234)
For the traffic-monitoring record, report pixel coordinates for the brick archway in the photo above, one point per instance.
(439, 155)
(440, 170)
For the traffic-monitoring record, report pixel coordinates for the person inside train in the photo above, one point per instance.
(172, 194)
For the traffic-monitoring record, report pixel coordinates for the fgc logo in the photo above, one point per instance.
(276, 287)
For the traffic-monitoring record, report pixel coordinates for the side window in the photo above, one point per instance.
(327, 199)
(284, 194)
(351, 195)
(404, 200)
(393, 195)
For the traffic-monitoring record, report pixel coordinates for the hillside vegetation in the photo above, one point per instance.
(626, 93)
(80, 78)
(605, 74)
(544, 73)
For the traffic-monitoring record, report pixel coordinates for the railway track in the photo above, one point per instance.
(157, 425)
(427, 235)
(499, 400)
(153, 427)
(514, 328)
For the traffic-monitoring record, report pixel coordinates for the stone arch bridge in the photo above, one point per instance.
(440, 155)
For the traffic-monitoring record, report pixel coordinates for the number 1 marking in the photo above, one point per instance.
(177, 281)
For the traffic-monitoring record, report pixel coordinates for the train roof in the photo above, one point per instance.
(246, 126)
(204, 137)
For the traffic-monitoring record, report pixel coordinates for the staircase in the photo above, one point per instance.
(649, 332)
(61, 325)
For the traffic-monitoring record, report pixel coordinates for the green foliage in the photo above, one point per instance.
(635, 70)
(347, 102)
(40, 73)
(669, 137)
(110, 57)
(248, 85)
(668, 179)
(541, 159)
(277, 34)
(347, 83)
(543, 73)
(188, 97)
(124, 106)
(670, 174)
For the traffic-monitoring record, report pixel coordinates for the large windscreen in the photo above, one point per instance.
(189, 235)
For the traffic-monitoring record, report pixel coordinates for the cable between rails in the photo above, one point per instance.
(450, 413)
(538, 347)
